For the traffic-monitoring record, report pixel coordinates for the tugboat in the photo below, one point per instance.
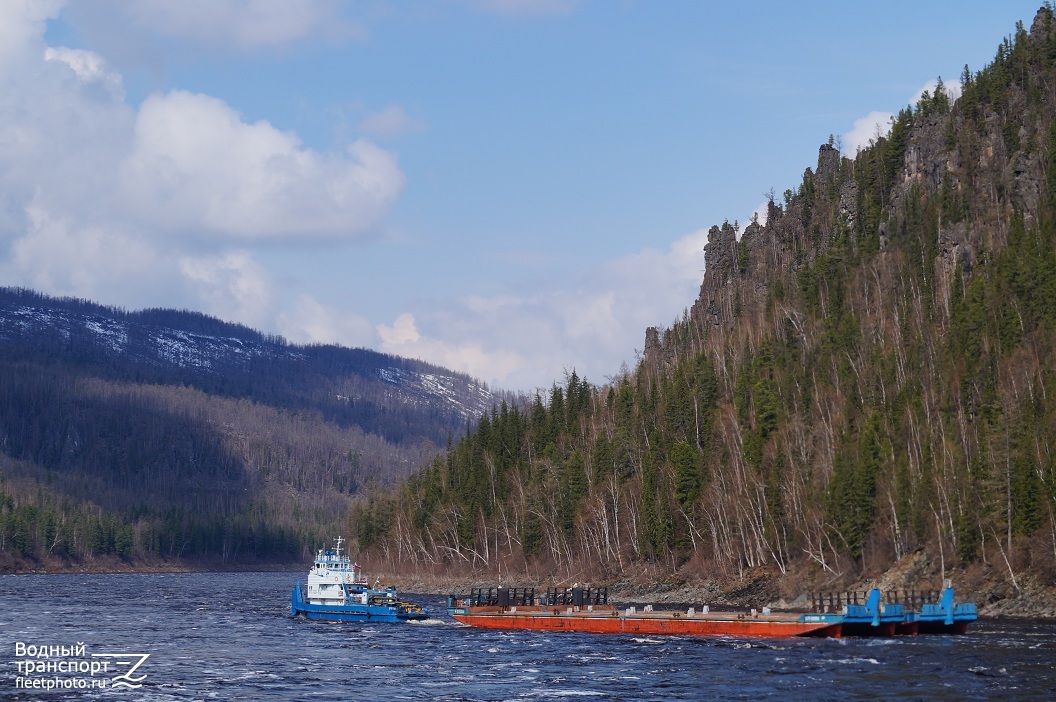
(338, 591)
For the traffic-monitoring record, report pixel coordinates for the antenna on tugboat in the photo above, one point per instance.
(337, 551)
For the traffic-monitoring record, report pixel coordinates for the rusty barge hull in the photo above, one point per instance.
(587, 609)
(660, 623)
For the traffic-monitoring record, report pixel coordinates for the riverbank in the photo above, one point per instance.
(108, 564)
(993, 590)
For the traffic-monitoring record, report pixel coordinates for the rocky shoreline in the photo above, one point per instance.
(993, 591)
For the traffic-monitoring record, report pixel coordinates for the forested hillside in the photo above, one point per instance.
(865, 375)
(166, 435)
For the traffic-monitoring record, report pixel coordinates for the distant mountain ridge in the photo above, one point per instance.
(163, 346)
(164, 434)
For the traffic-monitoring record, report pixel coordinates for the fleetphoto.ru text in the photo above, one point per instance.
(48, 667)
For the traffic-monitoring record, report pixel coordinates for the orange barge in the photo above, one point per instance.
(587, 610)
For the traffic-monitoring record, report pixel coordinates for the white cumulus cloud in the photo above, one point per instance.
(161, 203)
(311, 322)
(470, 355)
(88, 66)
(66, 257)
(232, 285)
(866, 130)
(951, 88)
(21, 25)
(592, 323)
(195, 165)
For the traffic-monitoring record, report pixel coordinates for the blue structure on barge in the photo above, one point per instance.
(872, 618)
(937, 614)
(942, 617)
(337, 591)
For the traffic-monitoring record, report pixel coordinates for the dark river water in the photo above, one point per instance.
(229, 636)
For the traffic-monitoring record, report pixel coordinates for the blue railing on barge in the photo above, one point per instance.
(873, 617)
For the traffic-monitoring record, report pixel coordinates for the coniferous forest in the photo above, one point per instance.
(140, 439)
(867, 375)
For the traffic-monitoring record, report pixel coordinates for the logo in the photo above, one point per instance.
(71, 667)
(130, 660)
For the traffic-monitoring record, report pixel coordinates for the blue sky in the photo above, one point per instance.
(511, 188)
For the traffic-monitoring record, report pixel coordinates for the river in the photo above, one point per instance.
(229, 636)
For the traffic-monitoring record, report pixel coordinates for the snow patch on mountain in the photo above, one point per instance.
(60, 329)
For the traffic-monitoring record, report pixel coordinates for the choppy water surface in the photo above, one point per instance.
(230, 636)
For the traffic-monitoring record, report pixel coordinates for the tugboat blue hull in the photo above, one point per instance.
(352, 612)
